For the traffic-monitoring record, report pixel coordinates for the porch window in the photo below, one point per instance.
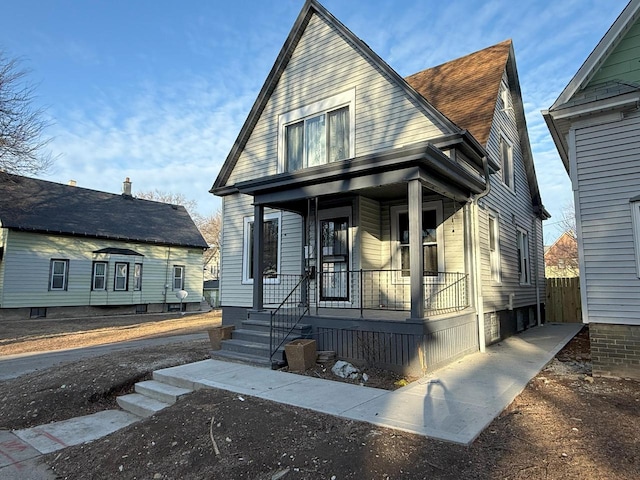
(137, 276)
(506, 159)
(270, 248)
(121, 281)
(99, 276)
(317, 134)
(178, 277)
(523, 257)
(59, 274)
(494, 248)
(431, 218)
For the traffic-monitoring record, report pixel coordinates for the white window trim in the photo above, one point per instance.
(173, 278)
(340, 100)
(395, 241)
(137, 288)
(522, 233)
(93, 279)
(505, 97)
(512, 187)
(635, 219)
(116, 277)
(245, 247)
(65, 281)
(494, 257)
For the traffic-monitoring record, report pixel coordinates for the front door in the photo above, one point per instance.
(334, 261)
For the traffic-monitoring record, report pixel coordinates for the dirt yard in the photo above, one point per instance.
(565, 425)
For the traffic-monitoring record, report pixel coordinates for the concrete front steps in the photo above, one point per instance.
(250, 344)
(150, 397)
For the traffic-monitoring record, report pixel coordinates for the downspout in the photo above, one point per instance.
(475, 248)
(537, 251)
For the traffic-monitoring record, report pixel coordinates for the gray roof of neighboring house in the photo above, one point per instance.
(29, 204)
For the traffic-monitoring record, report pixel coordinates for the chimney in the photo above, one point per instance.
(72, 183)
(126, 187)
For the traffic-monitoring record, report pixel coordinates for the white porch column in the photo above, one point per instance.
(258, 256)
(416, 252)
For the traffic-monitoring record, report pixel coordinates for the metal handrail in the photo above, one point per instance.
(302, 308)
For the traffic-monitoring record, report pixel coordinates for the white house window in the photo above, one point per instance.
(59, 276)
(506, 159)
(635, 217)
(270, 248)
(432, 241)
(178, 277)
(120, 282)
(505, 98)
(137, 276)
(523, 257)
(99, 276)
(317, 134)
(494, 248)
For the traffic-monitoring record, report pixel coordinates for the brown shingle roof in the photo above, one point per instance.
(466, 89)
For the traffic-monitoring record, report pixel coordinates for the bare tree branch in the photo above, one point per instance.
(22, 148)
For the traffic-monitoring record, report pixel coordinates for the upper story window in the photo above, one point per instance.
(506, 160)
(317, 134)
(505, 97)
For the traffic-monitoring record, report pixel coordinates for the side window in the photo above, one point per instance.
(58, 274)
(506, 159)
(494, 248)
(137, 276)
(523, 257)
(271, 249)
(635, 217)
(121, 280)
(178, 277)
(99, 281)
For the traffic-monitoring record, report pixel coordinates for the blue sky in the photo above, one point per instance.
(158, 90)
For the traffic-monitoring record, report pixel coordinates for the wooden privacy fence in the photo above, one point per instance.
(563, 300)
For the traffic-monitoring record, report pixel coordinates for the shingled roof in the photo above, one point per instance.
(466, 89)
(29, 204)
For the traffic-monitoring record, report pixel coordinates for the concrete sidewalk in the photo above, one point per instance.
(454, 403)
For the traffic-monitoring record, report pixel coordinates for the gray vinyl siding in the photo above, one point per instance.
(324, 64)
(236, 207)
(513, 209)
(608, 175)
(369, 233)
(26, 271)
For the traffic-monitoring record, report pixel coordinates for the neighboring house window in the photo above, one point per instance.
(318, 134)
(494, 248)
(178, 277)
(99, 276)
(523, 257)
(137, 276)
(121, 277)
(270, 248)
(635, 216)
(506, 159)
(432, 254)
(59, 276)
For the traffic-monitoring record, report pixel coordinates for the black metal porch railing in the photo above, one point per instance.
(444, 292)
(286, 317)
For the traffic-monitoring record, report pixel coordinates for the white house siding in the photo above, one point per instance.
(27, 269)
(324, 64)
(513, 209)
(233, 292)
(608, 175)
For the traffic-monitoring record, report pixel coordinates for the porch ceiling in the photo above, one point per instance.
(379, 175)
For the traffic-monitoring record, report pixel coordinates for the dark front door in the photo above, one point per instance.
(334, 260)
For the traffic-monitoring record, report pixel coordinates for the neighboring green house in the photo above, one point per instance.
(70, 251)
(595, 124)
(397, 221)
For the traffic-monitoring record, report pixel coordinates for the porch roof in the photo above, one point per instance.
(425, 162)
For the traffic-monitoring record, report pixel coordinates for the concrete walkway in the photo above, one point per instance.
(454, 403)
